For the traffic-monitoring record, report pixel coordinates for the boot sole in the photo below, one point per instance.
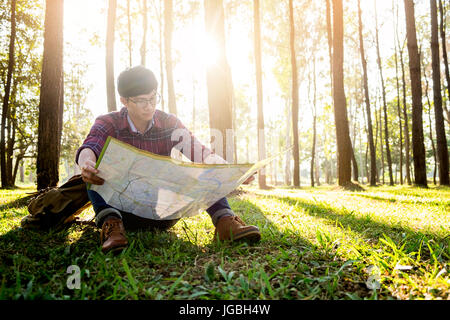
(251, 236)
(115, 250)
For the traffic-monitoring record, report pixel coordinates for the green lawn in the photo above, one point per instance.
(321, 243)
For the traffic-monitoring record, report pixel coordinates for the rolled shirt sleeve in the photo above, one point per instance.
(97, 136)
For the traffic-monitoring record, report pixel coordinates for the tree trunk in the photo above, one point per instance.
(10, 146)
(51, 97)
(5, 108)
(22, 171)
(399, 112)
(380, 125)
(143, 49)
(259, 93)
(352, 134)
(328, 174)
(368, 176)
(110, 82)
(287, 166)
(383, 91)
(344, 146)
(313, 151)
(168, 26)
(432, 146)
(444, 56)
(330, 41)
(405, 120)
(354, 166)
(431, 126)
(420, 172)
(219, 83)
(295, 101)
(441, 140)
(16, 167)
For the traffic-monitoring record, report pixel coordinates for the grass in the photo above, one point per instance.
(321, 243)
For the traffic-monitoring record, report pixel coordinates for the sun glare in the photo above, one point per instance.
(198, 48)
(209, 50)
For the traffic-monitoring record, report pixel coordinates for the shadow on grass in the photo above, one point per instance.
(21, 202)
(252, 214)
(407, 201)
(34, 264)
(315, 266)
(364, 225)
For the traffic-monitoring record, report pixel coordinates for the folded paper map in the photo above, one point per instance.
(162, 188)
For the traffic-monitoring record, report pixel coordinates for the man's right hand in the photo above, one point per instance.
(89, 173)
(86, 162)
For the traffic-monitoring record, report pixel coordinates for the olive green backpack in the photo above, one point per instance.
(56, 207)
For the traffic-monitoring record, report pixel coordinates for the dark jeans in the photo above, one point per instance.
(133, 222)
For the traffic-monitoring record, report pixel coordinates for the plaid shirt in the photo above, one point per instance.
(160, 138)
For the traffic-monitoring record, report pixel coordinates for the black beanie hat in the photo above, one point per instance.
(136, 81)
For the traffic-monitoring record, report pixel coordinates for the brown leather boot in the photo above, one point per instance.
(113, 235)
(232, 228)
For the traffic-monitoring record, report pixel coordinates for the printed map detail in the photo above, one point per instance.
(161, 188)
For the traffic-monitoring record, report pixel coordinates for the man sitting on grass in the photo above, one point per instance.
(139, 124)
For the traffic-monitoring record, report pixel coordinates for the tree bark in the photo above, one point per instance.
(340, 106)
(287, 166)
(22, 171)
(420, 173)
(11, 133)
(110, 82)
(259, 92)
(399, 112)
(51, 97)
(313, 151)
(330, 41)
(373, 163)
(380, 125)
(431, 126)
(433, 147)
(16, 167)
(445, 57)
(168, 26)
(219, 83)
(295, 101)
(405, 120)
(383, 92)
(5, 108)
(441, 140)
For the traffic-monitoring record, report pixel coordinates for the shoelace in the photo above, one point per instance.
(239, 220)
(110, 227)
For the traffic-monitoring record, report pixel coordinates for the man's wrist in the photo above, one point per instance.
(85, 155)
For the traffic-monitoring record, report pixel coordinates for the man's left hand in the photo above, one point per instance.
(250, 179)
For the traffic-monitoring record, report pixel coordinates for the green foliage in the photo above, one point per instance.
(77, 117)
(24, 98)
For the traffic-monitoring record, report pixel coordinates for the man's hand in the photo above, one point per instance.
(89, 173)
(250, 179)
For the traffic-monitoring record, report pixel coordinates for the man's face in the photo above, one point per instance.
(141, 107)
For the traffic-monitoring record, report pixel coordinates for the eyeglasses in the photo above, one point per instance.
(142, 103)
